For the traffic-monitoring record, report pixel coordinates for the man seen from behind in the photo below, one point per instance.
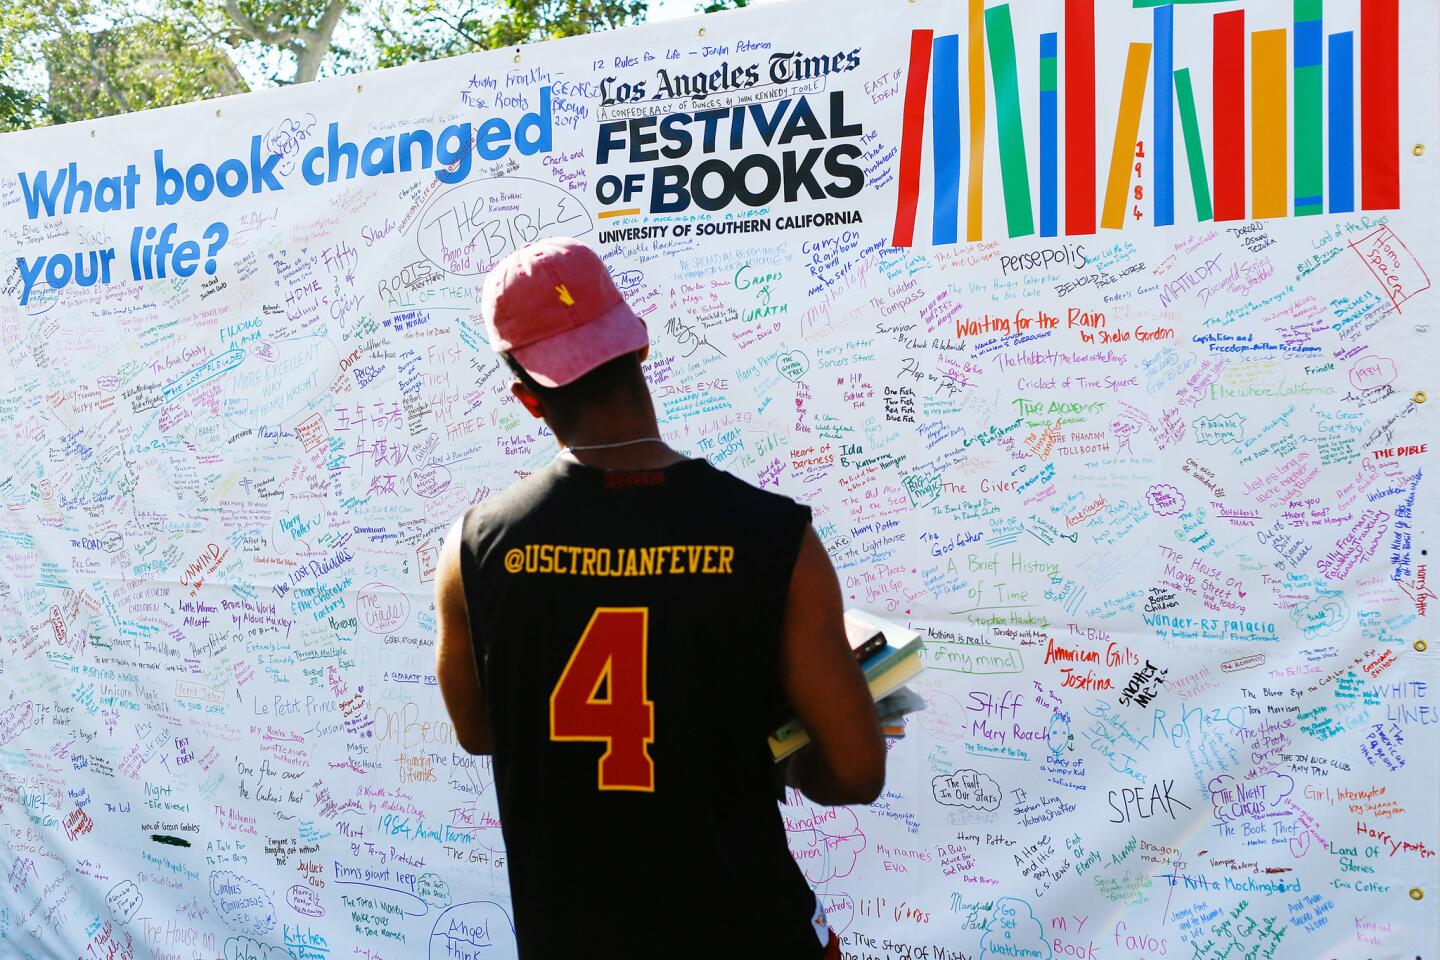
(621, 630)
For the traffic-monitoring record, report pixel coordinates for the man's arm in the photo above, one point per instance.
(455, 652)
(845, 761)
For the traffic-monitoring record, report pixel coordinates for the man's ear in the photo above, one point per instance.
(644, 352)
(527, 397)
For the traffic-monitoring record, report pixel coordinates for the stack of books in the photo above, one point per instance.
(890, 656)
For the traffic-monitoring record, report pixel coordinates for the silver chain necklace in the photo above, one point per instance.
(608, 446)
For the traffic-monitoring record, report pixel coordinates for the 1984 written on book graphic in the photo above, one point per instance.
(1097, 335)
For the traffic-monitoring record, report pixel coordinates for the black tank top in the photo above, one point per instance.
(627, 626)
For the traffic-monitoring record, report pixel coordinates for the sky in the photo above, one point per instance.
(672, 9)
(256, 65)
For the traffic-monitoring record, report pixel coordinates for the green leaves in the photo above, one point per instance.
(65, 60)
(431, 29)
(81, 59)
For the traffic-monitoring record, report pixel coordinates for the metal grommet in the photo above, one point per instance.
(1416, 893)
(1419, 396)
(217, 111)
(517, 56)
(702, 31)
(1421, 646)
(359, 88)
(1418, 150)
(92, 133)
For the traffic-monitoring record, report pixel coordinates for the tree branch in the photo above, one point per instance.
(331, 17)
(277, 38)
(317, 41)
(457, 26)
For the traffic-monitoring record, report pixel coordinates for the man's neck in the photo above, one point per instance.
(648, 456)
(598, 437)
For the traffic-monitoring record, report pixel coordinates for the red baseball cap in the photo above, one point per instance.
(553, 307)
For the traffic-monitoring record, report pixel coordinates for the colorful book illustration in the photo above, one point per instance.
(1272, 166)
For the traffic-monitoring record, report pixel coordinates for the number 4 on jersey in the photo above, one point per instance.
(612, 651)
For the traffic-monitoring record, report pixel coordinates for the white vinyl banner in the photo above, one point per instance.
(1097, 335)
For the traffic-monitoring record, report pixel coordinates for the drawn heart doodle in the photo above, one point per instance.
(792, 365)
